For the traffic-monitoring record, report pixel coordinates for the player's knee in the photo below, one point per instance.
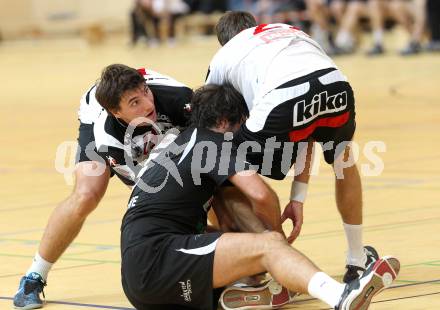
(274, 236)
(273, 241)
(85, 202)
(266, 197)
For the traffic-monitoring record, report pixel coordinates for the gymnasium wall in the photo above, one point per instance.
(20, 18)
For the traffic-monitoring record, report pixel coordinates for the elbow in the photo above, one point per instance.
(265, 197)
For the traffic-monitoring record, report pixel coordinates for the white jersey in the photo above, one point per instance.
(259, 59)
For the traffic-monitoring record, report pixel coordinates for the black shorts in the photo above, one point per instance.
(171, 272)
(319, 106)
(86, 142)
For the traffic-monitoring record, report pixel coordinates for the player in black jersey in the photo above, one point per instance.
(107, 146)
(171, 262)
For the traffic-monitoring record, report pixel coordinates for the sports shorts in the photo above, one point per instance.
(319, 105)
(170, 271)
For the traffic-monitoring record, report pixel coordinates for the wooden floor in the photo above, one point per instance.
(398, 103)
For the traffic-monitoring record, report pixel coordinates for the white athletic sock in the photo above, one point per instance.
(40, 266)
(344, 40)
(325, 288)
(378, 37)
(356, 255)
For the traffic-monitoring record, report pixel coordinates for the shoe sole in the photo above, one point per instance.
(267, 296)
(384, 272)
(29, 307)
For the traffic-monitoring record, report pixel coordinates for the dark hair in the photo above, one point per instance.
(213, 103)
(115, 80)
(232, 23)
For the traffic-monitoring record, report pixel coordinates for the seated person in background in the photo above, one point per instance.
(410, 14)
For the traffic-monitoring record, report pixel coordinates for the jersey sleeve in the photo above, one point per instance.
(174, 102)
(214, 76)
(89, 108)
(228, 164)
(116, 161)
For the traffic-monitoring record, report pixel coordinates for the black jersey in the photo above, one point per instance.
(124, 148)
(174, 189)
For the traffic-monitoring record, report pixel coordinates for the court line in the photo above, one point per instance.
(68, 259)
(414, 284)
(78, 304)
(54, 269)
(20, 232)
(394, 299)
(299, 301)
(50, 204)
(335, 233)
(392, 287)
(74, 244)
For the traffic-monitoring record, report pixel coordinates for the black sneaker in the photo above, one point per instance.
(358, 293)
(354, 272)
(411, 49)
(433, 46)
(28, 294)
(376, 50)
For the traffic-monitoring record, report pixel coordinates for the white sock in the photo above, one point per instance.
(344, 40)
(40, 266)
(325, 288)
(378, 37)
(356, 255)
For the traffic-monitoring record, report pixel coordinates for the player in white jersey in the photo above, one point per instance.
(109, 143)
(295, 93)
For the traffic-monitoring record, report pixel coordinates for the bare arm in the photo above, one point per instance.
(294, 209)
(263, 199)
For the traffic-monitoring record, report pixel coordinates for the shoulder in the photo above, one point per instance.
(156, 78)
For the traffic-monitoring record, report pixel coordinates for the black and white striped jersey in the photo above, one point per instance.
(122, 147)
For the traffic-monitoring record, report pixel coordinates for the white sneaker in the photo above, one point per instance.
(359, 292)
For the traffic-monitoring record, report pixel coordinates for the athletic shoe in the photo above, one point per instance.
(28, 294)
(358, 293)
(268, 295)
(411, 49)
(376, 50)
(354, 272)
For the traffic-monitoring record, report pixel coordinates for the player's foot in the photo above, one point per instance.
(411, 49)
(268, 295)
(376, 50)
(359, 292)
(354, 272)
(28, 294)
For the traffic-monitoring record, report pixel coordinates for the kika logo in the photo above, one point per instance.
(186, 290)
(321, 104)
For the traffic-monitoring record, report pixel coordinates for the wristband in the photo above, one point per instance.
(298, 191)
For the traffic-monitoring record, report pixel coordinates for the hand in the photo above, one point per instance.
(293, 211)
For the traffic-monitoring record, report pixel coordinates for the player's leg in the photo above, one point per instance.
(376, 10)
(255, 253)
(348, 191)
(65, 222)
(68, 217)
(63, 226)
(232, 204)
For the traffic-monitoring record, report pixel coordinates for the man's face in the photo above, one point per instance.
(137, 103)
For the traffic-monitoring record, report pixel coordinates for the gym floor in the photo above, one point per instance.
(397, 103)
